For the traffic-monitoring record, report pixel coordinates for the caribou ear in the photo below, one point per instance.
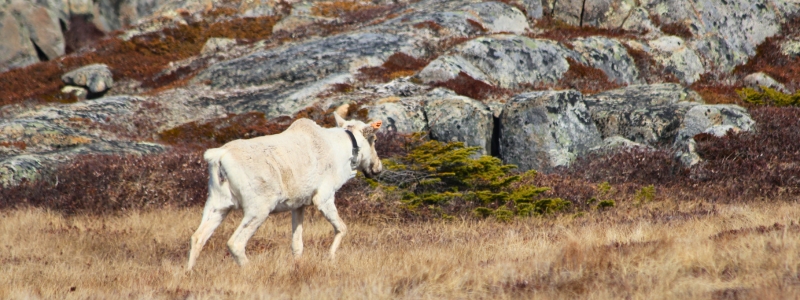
(377, 124)
(339, 120)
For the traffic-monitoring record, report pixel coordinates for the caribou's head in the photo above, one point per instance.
(367, 160)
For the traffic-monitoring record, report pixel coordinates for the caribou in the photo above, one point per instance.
(302, 166)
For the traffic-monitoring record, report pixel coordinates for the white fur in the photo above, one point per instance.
(302, 166)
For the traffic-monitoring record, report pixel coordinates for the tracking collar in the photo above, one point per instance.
(354, 159)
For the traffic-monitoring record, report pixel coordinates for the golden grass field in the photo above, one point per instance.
(661, 250)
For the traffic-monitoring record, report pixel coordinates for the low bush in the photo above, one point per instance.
(444, 179)
(114, 183)
(769, 96)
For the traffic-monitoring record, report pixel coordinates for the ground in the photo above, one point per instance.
(662, 249)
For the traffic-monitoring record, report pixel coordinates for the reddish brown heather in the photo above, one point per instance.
(737, 168)
(675, 28)
(465, 85)
(714, 92)
(587, 79)
(562, 32)
(397, 65)
(109, 183)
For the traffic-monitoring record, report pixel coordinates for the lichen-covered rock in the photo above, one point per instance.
(79, 92)
(609, 56)
(403, 115)
(757, 80)
(678, 59)
(791, 48)
(647, 114)
(508, 61)
(701, 118)
(497, 17)
(639, 21)
(97, 78)
(453, 118)
(583, 13)
(547, 129)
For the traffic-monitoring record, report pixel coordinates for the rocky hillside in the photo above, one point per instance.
(536, 83)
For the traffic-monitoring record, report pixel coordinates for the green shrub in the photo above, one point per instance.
(769, 96)
(447, 177)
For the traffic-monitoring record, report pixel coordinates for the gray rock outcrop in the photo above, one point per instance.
(544, 130)
(610, 56)
(646, 114)
(507, 61)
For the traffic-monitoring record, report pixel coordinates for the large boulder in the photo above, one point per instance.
(546, 129)
(646, 114)
(453, 118)
(508, 61)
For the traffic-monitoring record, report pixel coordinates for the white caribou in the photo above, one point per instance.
(304, 165)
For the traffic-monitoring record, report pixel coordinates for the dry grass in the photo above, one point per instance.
(735, 251)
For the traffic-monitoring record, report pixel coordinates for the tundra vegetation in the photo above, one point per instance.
(441, 222)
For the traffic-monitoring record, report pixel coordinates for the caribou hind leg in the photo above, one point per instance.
(212, 217)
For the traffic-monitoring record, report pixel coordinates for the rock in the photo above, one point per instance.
(609, 56)
(497, 17)
(292, 23)
(96, 77)
(547, 129)
(214, 45)
(44, 28)
(687, 154)
(714, 52)
(678, 59)
(280, 81)
(582, 13)
(79, 92)
(722, 130)
(403, 115)
(702, 118)
(791, 48)
(533, 9)
(646, 114)
(639, 21)
(16, 49)
(18, 168)
(448, 67)
(303, 62)
(757, 80)
(453, 118)
(507, 61)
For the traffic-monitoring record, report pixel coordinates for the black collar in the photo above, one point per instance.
(354, 159)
